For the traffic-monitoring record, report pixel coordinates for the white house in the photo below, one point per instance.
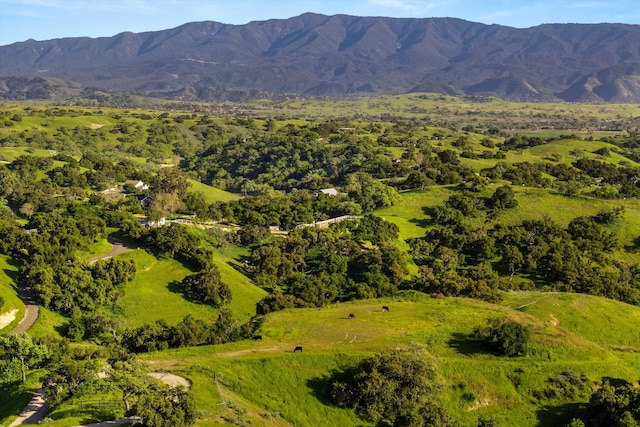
(329, 191)
(138, 185)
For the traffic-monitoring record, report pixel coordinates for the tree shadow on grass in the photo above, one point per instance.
(14, 398)
(241, 267)
(321, 388)
(91, 412)
(615, 382)
(465, 344)
(176, 287)
(424, 223)
(560, 415)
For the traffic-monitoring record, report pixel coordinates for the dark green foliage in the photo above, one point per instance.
(566, 385)
(399, 387)
(613, 406)
(206, 287)
(162, 406)
(189, 332)
(87, 287)
(274, 302)
(72, 375)
(609, 216)
(173, 239)
(502, 198)
(320, 266)
(369, 192)
(505, 337)
(19, 353)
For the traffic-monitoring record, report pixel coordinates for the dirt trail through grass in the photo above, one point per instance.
(118, 247)
(34, 412)
(31, 313)
(37, 408)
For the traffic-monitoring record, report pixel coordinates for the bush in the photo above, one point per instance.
(206, 287)
(613, 406)
(395, 387)
(506, 337)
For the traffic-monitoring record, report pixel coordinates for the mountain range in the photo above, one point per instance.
(335, 56)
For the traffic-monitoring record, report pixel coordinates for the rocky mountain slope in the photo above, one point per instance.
(317, 55)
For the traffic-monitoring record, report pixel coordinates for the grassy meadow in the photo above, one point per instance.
(263, 383)
(12, 307)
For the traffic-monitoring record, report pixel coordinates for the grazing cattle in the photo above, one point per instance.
(385, 308)
(352, 316)
(298, 349)
(257, 337)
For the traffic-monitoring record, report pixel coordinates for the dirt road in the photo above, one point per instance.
(32, 311)
(34, 412)
(37, 408)
(118, 247)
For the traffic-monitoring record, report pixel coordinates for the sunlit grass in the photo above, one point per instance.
(212, 194)
(265, 381)
(9, 292)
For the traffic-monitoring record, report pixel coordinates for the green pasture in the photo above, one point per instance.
(411, 213)
(244, 293)
(49, 324)
(9, 154)
(211, 194)
(97, 248)
(13, 306)
(154, 292)
(265, 383)
(449, 108)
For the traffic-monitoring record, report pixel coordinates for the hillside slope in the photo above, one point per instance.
(339, 55)
(571, 333)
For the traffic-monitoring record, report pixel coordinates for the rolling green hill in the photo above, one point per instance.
(281, 155)
(266, 384)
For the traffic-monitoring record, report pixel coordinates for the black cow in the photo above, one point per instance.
(385, 308)
(257, 337)
(352, 316)
(298, 349)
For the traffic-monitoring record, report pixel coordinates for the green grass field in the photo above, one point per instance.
(12, 307)
(265, 383)
(212, 194)
(149, 296)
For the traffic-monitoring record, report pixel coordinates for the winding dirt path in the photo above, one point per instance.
(31, 313)
(117, 247)
(34, 412)
(37, 409)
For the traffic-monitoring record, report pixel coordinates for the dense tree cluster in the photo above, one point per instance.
(398, 388)
(353, 259)
(613, 406)
(206, 287)
(189, 332)
(577, 258)
(505, 337)
(280, 167)
(291, 157)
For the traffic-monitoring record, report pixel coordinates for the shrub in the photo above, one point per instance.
(506, 337)
(396, 387)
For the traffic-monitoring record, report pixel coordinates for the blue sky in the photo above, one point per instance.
(47, 19)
